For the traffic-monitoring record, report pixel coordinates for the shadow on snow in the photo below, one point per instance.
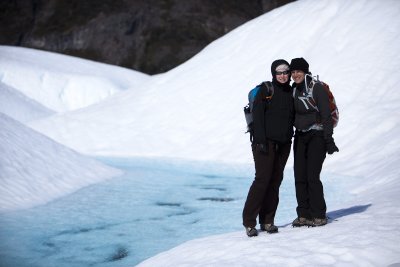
(334, 215)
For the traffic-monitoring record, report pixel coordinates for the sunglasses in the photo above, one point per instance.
(282, 72)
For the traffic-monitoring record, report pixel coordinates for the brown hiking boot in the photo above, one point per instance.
(251, 231)
(270, 228)
(301, 221)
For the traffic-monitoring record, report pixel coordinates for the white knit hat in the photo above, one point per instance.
(282, 67)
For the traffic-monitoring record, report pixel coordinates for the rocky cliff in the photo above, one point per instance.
(151, 36)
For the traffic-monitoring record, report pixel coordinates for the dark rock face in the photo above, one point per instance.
(151, 36)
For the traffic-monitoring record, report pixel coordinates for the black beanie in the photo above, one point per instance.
(299, 64)
(277, 63)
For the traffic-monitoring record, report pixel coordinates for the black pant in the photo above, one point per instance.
(309, 155)
(263, 197)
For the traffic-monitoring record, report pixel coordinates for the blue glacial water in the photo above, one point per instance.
(156, 205)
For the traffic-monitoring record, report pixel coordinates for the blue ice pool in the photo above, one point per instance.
(156, 205)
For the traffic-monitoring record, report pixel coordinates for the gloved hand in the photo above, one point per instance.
(263, 148)
(331, 146)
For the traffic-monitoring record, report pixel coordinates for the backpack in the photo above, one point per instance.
(248, 109)
(332, 102)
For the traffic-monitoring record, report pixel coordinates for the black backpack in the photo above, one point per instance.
(248, 109)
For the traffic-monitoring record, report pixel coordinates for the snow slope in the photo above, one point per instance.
(28, 109)
(61, 82)
(35, 170)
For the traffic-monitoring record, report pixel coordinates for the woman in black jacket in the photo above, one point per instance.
(313, 138)
(272, 132)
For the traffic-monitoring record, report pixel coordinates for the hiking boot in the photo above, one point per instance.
(319, 221)
(251, 231)
(301, 221)
(270, 228)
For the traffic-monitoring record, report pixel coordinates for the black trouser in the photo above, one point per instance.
(263, 197)
(309, 155)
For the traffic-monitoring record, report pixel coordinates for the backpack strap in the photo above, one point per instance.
(254, 92)
(270, 90)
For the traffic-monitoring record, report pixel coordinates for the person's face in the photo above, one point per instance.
(298, 76)
(282, 76)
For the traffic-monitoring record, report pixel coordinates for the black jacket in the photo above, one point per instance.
(307, 115)
(273, 119)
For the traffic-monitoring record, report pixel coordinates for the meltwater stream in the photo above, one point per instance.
(156, 205)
